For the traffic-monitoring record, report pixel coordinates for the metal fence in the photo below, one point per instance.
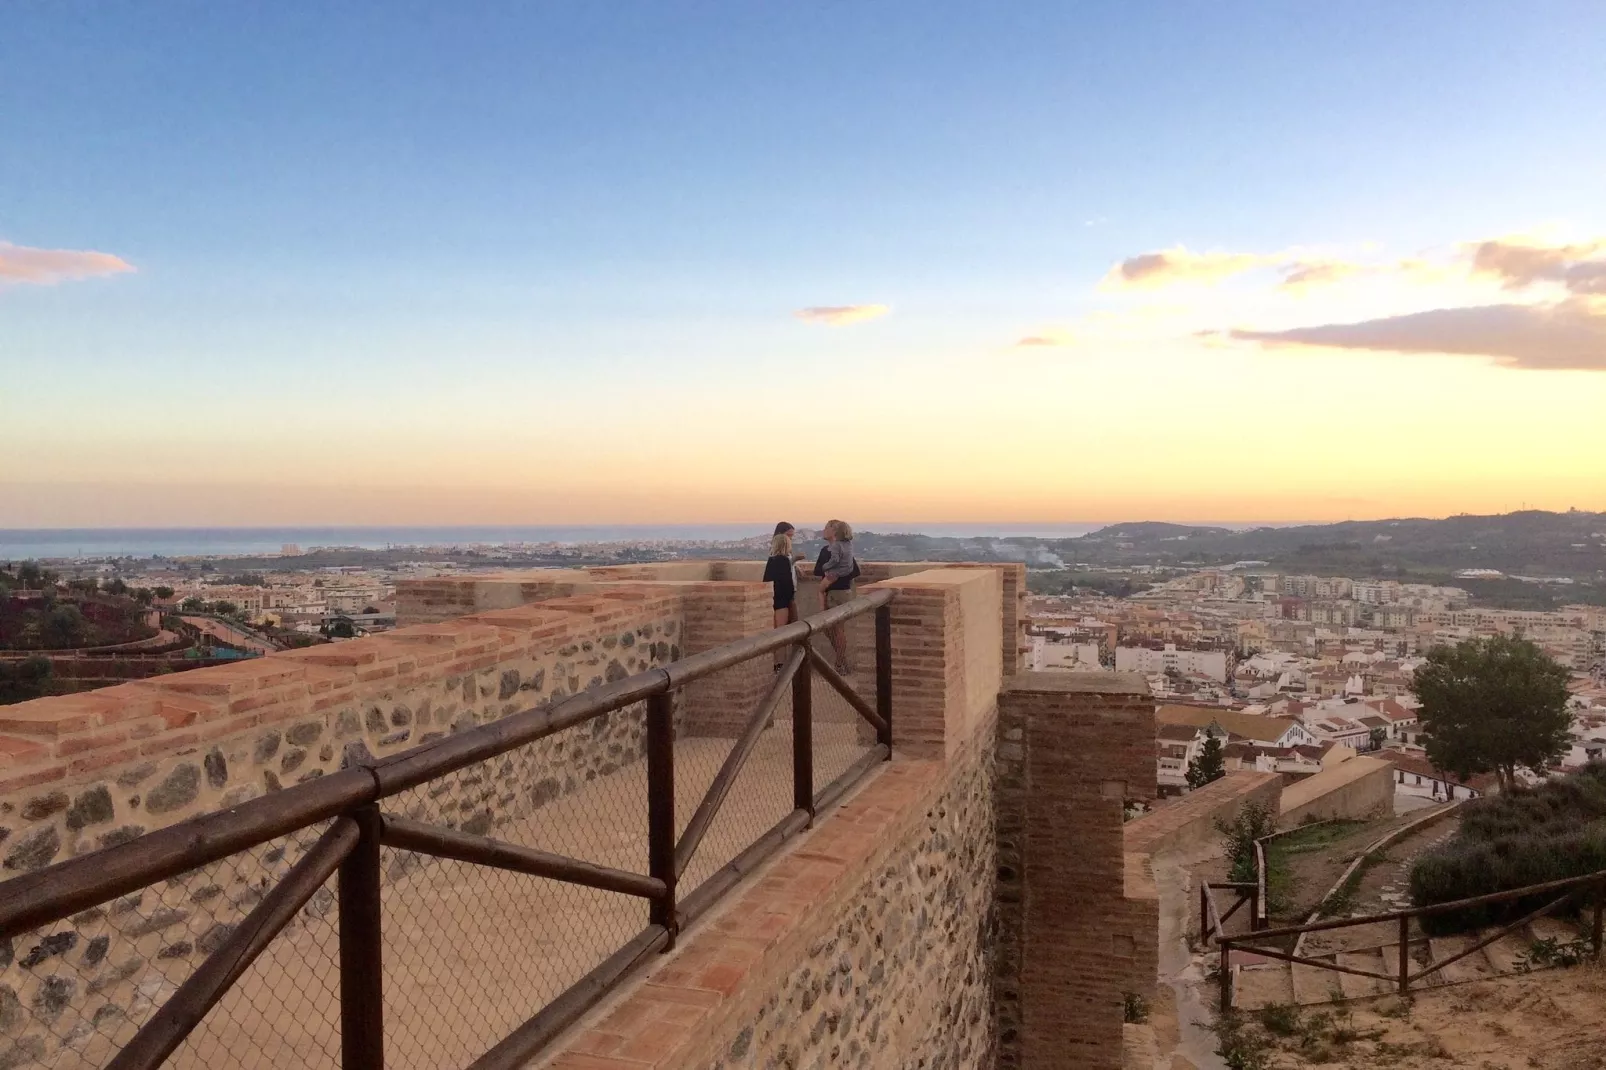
(490, 887)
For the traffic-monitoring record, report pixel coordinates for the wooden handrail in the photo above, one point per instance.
(708, 809)
(516, 1049)
(48, 895)
(1260, 914)
(1486, 941)
(1272, 953)
(1599, 876)
(200, 992)
(406, 834)
(845, 689)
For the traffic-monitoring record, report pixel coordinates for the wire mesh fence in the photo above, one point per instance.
(76, 992)
(469, 951)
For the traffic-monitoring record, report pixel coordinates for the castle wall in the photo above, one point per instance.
(1073, 747)
(867, 944)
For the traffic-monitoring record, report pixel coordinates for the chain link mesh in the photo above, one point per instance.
(470, 952)
(76, 992)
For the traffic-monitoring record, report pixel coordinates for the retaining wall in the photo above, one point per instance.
(1360, 787)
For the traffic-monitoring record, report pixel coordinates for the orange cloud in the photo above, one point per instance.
(841, 315)
(1179, 266)
(1521, 262)
(1569, 336)
(1036, 340)
(19, 263)
(1301, 275)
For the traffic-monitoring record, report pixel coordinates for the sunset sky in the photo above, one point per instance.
(643, 262)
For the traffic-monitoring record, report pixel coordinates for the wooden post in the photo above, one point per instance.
(1204, 914)
(1600, 916)
(1226, 978)
(1254, 908)
(362, 1008)
(1405, 955)
(803, 739)
(883, 674)
(661, 807)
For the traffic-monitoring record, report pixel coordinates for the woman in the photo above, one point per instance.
(837, 570)
(781, 572)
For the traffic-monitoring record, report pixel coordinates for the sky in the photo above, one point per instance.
(570, 262)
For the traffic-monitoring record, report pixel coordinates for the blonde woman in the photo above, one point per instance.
(780, 571)
(837, 569)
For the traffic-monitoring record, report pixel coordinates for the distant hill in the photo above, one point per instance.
(1152, 531)
(1531, 543)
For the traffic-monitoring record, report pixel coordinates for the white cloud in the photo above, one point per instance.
(1179, 266)
(841, 315)
(22, 264)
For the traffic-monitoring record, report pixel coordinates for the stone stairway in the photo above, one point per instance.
(1263, 982)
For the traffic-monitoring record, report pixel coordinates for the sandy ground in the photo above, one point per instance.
(1544, 1020)
(1548, 1020)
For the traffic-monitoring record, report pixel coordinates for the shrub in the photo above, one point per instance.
(1254, 820)
(1553, 832)
(1280, 1019)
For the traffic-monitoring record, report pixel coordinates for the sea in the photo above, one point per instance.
(22, 544)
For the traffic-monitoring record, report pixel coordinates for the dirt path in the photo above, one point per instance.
(1549, 1020)
(1383, 887)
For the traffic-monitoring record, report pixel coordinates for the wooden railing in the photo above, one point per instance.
(350, 846)
(1403, 977)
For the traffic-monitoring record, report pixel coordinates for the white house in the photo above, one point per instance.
(1416, 776)
(1211, 664)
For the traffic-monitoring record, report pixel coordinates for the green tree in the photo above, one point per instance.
(144, 596)
(65, 626)
(1493, 705)
(23, 680)
(1210, 764)
(1377, 737)
(33, 577)
(164, 592)
(116, 585)
(225, 608)
(193, 604)
(342, 628)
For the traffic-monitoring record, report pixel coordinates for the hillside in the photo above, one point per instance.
(1533, 544)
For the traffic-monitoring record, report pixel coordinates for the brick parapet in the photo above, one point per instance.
(164, 749)
(1072, 749)
(946, 657)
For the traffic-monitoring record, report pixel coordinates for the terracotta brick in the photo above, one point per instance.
(16, 752)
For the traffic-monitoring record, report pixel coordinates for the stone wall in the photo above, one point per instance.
(866, 946)
(1073, 747)
(108, 765)
(1360, 787)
